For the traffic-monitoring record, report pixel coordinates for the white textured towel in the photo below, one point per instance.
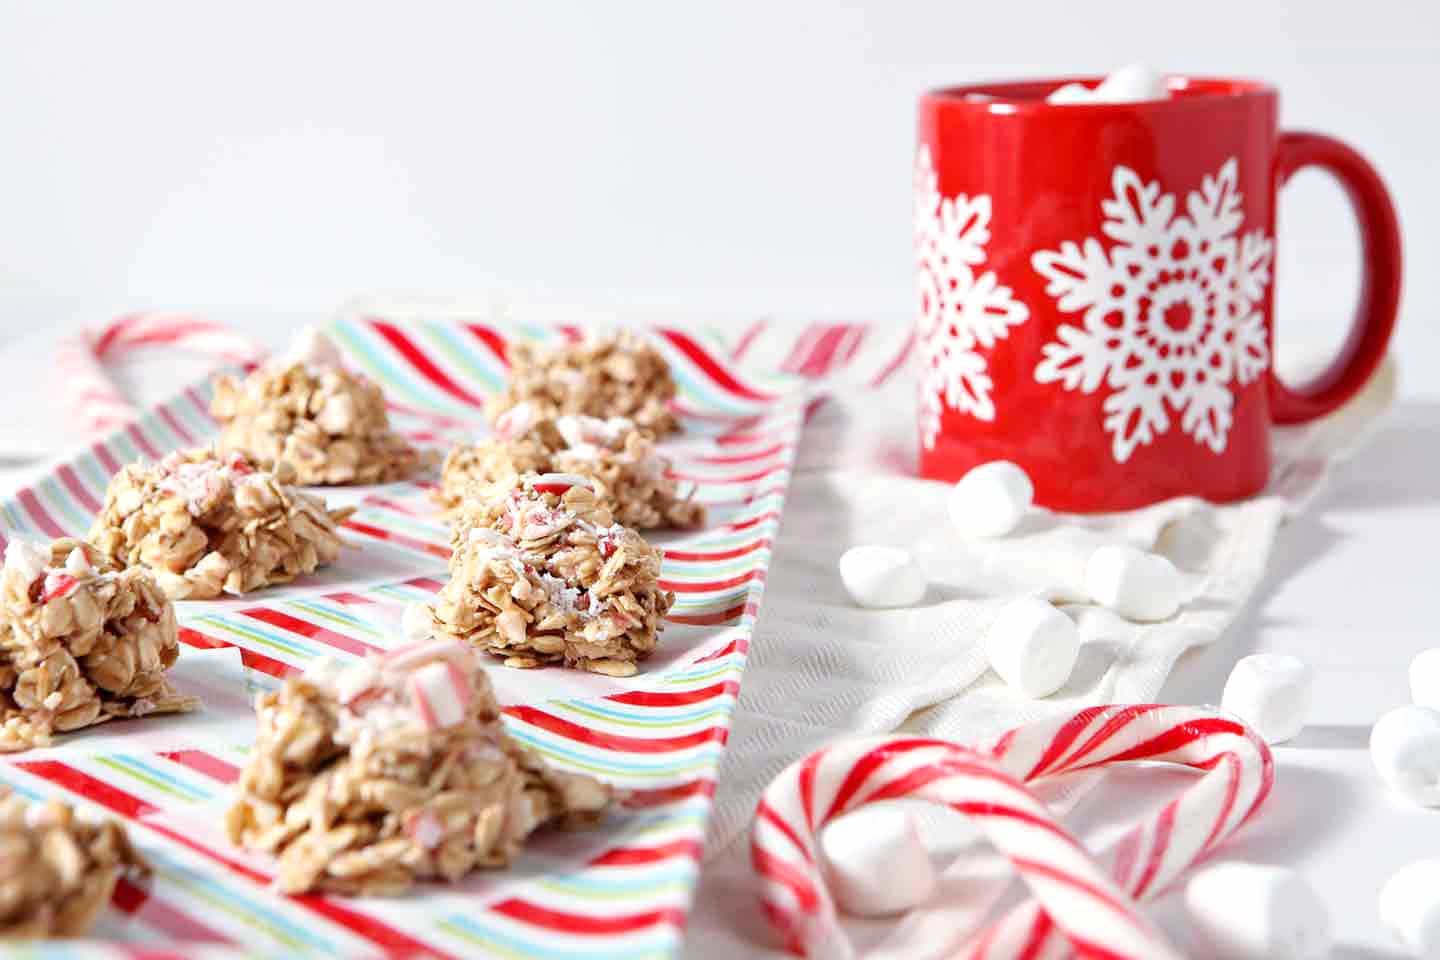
(821, 669)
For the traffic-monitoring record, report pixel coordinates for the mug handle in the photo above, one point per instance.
(1379, 279)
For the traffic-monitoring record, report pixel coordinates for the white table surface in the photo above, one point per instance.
(1350, 590)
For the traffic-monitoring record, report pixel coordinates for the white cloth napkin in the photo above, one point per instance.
(821, 669)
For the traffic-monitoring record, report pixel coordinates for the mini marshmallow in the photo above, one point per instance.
(1033, 646)
(1425, 678)
(1410, 907)
(1133, 583)
(991, 499)
(1071, 93)
(1405, 748)
(879, 577)
(875, 862)
(1245, 911)
(1271, 692)
(440, 693)
(312, 348)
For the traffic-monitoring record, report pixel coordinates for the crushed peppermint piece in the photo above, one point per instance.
(515, 421)
(424, 828)
(57, 585)
(559, 483)
(29, 557)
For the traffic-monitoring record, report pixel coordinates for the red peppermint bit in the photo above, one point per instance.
(607, 547)
(239, 464)
(57, 585)
(363, 698)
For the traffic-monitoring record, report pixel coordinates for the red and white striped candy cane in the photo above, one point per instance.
(1080, 907)
(93, 397)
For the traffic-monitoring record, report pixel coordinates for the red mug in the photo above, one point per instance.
(1095, 288)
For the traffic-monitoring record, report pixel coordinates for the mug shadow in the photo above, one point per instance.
(1397, 468)
(1402, 463)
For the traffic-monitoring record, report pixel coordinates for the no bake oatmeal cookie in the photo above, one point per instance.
(59, 870)
(307, 410)
(204, 524)
(631, 479)
(367, 778)
(619, 375)
(542, 574)
(81, 642)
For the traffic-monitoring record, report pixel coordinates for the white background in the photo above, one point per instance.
(266, 162)
(263, 157)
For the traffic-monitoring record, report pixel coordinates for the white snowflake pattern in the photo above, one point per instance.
(959, 311)
(1172, 311)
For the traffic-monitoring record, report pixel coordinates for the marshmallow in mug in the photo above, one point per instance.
(1246, 911)
(1134, 83)
(875, 862)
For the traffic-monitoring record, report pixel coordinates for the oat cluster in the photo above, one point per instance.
(81, 642)
(327, 423)
(630, 478)
(619, 375)
(368, 778)
(205, 523)
(541, 573)
(59, 870)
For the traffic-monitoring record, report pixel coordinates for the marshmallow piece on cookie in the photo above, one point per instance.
(1410, 907)
(1134, 583)
(1246, 911)
(312, 348)
(991, 499)
(1271, 692)
(1033, 646)
(1425, 678)
(875, 862)
(1405, 748)
(880, 577)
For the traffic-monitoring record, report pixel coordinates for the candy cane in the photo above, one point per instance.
(1078, 906)
(92, 396)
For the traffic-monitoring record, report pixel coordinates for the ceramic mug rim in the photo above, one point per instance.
(1027, 97)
